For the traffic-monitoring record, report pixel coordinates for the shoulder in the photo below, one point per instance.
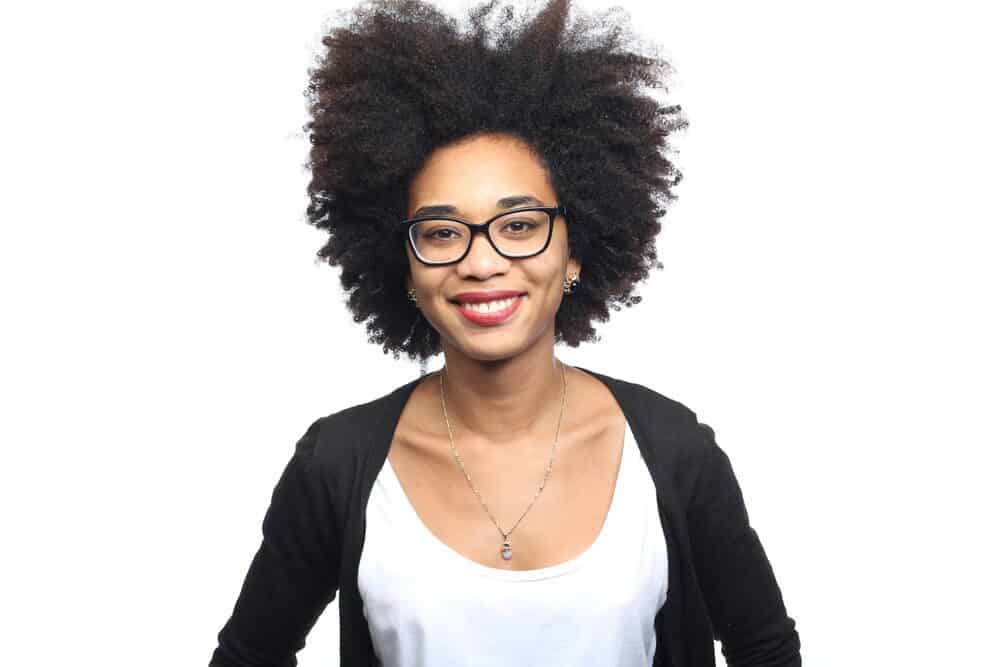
(647, 403)
(668, 428)
(335, 438)
(643, 398)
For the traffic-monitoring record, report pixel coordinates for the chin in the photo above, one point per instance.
(484, 351)
(484, 345)
(495, 345)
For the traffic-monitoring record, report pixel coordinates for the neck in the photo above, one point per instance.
(506, 400)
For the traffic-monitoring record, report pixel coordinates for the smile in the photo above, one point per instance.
(490, 312)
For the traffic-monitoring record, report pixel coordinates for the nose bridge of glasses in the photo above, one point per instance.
(482, 232)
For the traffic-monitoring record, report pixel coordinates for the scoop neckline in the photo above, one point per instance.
(417, 524)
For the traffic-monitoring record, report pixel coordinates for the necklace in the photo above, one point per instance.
(506, 552)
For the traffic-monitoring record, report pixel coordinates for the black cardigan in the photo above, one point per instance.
(721, 584)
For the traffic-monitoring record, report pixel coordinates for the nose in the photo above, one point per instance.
(482, 261)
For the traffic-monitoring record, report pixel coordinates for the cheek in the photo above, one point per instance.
(547, 280)
(427, 279)
(421, 276)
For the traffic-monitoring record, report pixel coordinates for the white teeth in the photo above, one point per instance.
(491, 306)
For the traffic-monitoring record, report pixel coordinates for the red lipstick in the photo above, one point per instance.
(493, 317)
(486, 295)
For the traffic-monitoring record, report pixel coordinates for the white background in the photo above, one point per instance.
(828, 306)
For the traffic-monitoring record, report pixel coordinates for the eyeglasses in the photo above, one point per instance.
(516, 234)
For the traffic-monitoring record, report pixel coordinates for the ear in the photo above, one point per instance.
(573, 267)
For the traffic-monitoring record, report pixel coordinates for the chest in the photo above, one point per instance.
(426, 602)
(546, 527)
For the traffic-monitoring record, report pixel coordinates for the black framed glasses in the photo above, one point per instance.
(515, 234)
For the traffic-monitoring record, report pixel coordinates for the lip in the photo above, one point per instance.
(486, 295)
(492, 319)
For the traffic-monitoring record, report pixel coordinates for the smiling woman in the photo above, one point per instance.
(401, 80)
(523, 257)
(489, 194)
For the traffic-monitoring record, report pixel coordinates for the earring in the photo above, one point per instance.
(411, 294)
(571, 283)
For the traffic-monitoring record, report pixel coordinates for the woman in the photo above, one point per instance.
(489, 192)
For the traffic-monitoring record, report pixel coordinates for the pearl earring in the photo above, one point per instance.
(571, 283)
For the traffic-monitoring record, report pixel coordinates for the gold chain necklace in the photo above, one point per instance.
(506, 552)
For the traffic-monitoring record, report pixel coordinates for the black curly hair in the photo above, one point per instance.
(398, 79)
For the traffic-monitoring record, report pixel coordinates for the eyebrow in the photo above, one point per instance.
(502, 203)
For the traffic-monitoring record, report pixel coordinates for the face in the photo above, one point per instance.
(474, 177)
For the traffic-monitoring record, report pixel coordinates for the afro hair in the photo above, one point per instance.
(398, 78)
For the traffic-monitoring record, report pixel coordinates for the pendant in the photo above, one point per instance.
(506, 552)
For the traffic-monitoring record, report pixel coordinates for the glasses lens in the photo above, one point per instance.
(520, 233)
(439, 240)
(516, 234)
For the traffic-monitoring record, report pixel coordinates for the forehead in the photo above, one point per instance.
(473, 174)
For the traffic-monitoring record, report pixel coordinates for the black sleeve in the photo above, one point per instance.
(745, 605)
(293, 575)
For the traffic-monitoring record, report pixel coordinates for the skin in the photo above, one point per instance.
(503, 383)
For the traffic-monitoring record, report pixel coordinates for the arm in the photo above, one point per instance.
(293, 576)
(745, 605)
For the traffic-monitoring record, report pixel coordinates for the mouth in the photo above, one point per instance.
(490, 313)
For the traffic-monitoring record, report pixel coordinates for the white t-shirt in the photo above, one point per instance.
(428, 605)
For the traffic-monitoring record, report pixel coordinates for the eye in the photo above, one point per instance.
(519, 226)
(439, 231)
